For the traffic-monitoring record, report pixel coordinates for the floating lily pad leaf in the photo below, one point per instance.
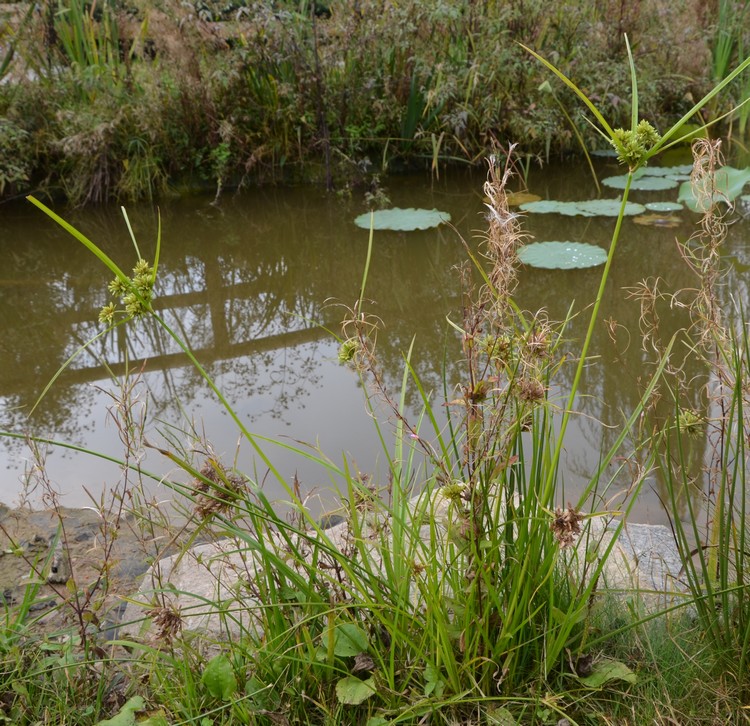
(729, 183)
(642, 182)
(604, 152)
(668, 221)
(516, 198)
(592, 208)
(609, 207)
(664, 207)
(562, 255)
(547, 206)
(403, 220)
(670, 171)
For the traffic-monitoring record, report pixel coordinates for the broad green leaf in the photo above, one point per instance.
(548, 206)
(591, 208)
(434, 684)
(501, 717)
(263, 695)
(402, 220)
(156, 719)
(640, 181)
(728, 182)
(664, 206)
(562, 255)
(668, 221)
(219, 678)
(670, 171)
(609, 208)
(606, 671)
(353, 691)
(377, 721)
(126, 715)
(349, 640)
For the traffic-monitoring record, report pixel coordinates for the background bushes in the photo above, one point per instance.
(117, 99)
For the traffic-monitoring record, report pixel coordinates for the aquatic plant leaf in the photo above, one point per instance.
(729, 183)
(642, 182)
(517, 198)
(608, 671)
(402, 220)
(668, 221)
(664, 206)
(591, 208)
(562, 255)
(353, 691)
(670, 171)
(548, 206)
(609, 208)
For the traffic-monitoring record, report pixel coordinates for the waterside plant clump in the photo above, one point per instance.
(127, 99)
(492, 623)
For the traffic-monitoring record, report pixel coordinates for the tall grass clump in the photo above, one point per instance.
(715, 543)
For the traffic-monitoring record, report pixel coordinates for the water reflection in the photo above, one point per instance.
(254, 284)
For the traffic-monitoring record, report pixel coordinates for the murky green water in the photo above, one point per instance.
(250, 283)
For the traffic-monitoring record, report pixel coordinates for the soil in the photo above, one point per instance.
(60, 563)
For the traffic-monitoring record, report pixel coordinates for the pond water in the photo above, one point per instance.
(254, 282)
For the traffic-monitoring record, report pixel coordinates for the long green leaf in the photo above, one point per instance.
(597, 114)
(91, 246)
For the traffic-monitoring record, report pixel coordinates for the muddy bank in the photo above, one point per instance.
(63, 562)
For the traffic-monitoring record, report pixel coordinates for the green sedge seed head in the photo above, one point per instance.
(633, 146)
(141, 268)
(689, 422)
(134, 306)
(118, 287)
(107, 314)
(453, 491)
(144, 283)
(647, 134)
(348, 350)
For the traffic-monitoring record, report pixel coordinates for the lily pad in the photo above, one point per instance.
(562, 255)
(591, 208)
(670, 171)
(402, 220)
(516, 198)
(664, 207)
(668, 221)
(728, 186)
(609, 207)
(643, 182)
